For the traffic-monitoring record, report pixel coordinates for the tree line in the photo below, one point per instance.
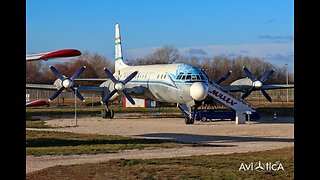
(38, 72)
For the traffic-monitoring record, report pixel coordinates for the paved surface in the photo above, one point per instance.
(223, 136)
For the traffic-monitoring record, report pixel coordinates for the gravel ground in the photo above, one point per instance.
(224, 136)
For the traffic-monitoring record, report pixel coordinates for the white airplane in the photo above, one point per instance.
(63, 53)
(183, 84)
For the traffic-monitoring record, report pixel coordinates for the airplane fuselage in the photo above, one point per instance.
(163, 83)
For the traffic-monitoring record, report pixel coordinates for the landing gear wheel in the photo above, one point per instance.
(104, 114)
(192, 121)
(188, 120)
(107, 113)
(111, 112)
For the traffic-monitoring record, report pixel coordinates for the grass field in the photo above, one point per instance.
(193, 167)
(40, 143)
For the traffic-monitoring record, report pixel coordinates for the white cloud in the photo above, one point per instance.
(276, 53)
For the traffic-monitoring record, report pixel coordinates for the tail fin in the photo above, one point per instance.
(119, 64)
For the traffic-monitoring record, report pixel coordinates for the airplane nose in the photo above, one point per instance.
(198, 91)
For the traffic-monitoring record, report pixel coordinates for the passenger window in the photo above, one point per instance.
(193, 77)
(165, 76)
(183, 77)
(202, 77)
(188, 76)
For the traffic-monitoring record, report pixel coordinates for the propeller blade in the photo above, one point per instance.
(107, 97)
(78, 93)
(77, 73)
(56, 94)
(131, 76)
(266, 95)
(249, 74)
(110, 75)
(247, 93)
(57, 73)
(224, 77)
(128, 97)
(266, 76)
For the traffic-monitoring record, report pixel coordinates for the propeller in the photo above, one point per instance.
(223, 77)
(257, 84)
(119, 86)
(67, 82)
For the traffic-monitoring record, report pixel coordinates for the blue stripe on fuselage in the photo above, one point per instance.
(164, 82)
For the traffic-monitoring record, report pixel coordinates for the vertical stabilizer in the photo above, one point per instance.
(119, 64)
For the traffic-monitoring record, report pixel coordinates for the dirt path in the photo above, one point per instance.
(224, 136)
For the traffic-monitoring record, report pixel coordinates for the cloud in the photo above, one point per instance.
(277, 38)
(197, 52)
(275, 53)
(244, 51)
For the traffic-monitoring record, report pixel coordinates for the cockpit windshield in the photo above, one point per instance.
(191, 77)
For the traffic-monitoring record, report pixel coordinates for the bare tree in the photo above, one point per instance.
(165, 55)
(33, 72)
(97, 62)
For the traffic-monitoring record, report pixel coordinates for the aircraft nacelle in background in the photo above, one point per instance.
(53, 55)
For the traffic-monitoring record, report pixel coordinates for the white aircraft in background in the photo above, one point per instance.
(182, 83)
(63, 53)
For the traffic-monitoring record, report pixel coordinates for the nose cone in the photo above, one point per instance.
(198, 91)
(119, 86)
(257, 84)
(67, 83)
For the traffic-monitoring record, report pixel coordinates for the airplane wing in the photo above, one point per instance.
(86, 89)
(41, 86)
(53, 54)
(92, 79)
(244, 88)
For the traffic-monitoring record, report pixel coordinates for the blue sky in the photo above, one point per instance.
(204, 28)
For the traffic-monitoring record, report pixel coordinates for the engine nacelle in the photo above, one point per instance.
(58, 83)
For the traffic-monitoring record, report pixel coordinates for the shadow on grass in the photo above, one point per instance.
(195, 138)
(55, 142)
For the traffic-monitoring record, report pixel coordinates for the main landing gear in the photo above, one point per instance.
(107, 113)
(189, 120)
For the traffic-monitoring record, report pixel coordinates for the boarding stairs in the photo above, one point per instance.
(225, 97)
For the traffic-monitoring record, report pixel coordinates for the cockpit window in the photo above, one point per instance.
(191, 77)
